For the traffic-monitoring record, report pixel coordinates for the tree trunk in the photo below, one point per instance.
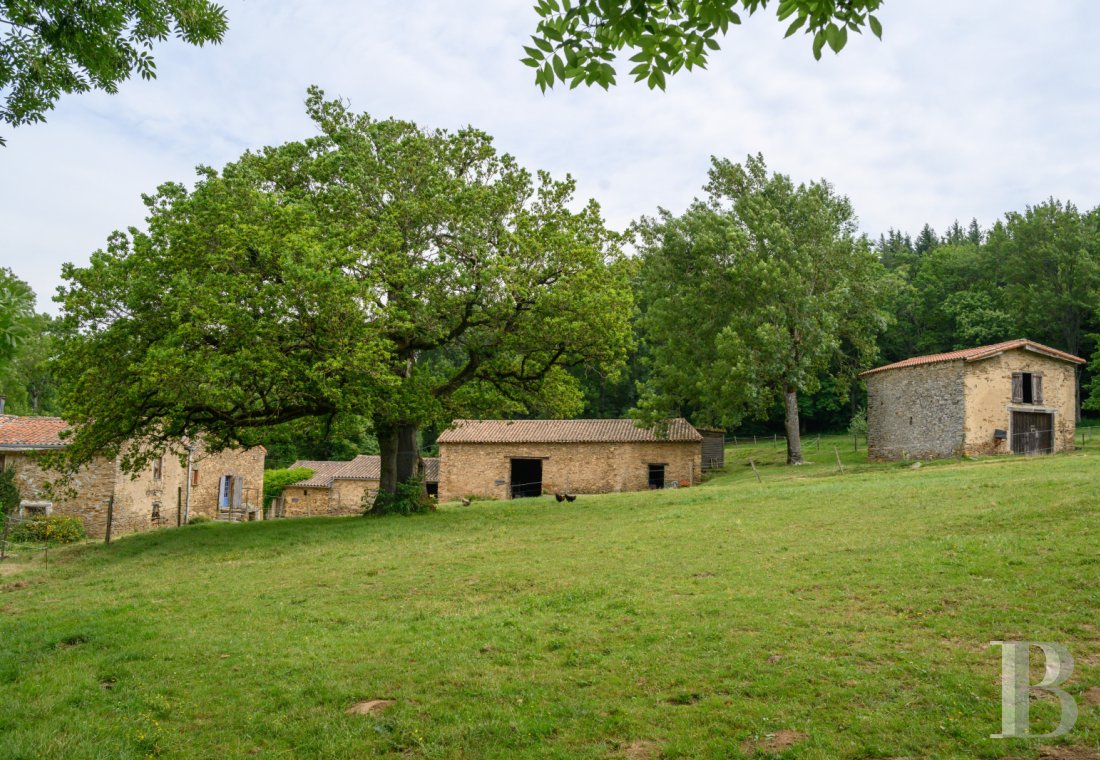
(387, 449)
(794, 438)
(408, 455)
(400, 457)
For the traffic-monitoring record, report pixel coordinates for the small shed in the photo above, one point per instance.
(507, 459)
(714, 448)
(337, 487)
(1016, 397)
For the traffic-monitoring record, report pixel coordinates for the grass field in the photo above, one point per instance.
(813, 614)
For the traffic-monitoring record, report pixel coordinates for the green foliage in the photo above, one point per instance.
(1093, 388)
(577, 41)
(16, 312)
(408, 498)
(49, 529)
(756, 295)
(378, 271)
(67, 46)
(858, 424)
(9, 492)
(276, 480)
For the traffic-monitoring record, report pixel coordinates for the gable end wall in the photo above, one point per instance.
(916, 412)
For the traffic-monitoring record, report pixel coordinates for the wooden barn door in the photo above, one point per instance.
(1032, 433)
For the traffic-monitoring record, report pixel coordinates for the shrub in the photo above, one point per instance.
(198, 520)
(409, 499)
(858, 425)
(53, 529)
(9, 492)
(276, 480)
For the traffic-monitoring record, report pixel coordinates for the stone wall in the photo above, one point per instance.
(210, 468)
(144, 501)
(483, 470)
(92, 487)
(989, 399)
(306, 502)
(347, 495)
(916, 412)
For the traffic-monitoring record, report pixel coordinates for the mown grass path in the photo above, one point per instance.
(853, 608)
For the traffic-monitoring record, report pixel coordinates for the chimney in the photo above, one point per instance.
(2, 400)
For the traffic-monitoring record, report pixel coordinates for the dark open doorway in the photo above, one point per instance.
(526, 478)
(656, 476)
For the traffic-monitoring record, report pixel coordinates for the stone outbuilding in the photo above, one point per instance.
(337, 488)
(506, 459)
(226, 485)
(1014, 397)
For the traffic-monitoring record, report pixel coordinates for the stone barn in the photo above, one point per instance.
(1015, 397)
(226, 485)
(507, 459)
(337, 488)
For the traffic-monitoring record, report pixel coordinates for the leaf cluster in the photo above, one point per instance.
(577, 41)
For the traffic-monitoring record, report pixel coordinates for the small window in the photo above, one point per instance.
(194, 477)
(305, 492)
(1027, 388)
(158, 468)
(656, 476)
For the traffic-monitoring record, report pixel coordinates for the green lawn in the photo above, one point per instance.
(854, 608)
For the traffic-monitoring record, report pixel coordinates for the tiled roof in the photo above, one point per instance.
(363, 467)
(31, 432)
(564, 431)
(979, 353)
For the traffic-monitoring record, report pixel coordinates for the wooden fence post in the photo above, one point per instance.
(754, 471)
(4, 538)
(838, 463)
(179, 506)
(110, 518)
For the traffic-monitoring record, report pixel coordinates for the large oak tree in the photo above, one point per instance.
(379, 269)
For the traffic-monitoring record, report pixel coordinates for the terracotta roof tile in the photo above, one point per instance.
(31, 432)
(564, 431)
(979, 353)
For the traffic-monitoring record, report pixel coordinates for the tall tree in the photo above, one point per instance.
(51, 47)
(755, 296)
(1048, 261)
(577, 40)
(16, 313)
(381, 270)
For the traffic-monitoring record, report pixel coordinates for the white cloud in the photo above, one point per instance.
(966, 109)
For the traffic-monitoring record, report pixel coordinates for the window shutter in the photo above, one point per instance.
(1017, 388)
(1037, 388)
(238, 488)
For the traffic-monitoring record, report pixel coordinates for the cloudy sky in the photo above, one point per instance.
(966, 109)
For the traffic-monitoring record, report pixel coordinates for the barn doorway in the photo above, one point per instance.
(656, 476)
(526, 478)
(1032, 433)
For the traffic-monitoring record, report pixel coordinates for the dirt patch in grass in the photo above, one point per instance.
(773, 744)
(8, 568)
(643, 749)
(1091, 695)
(1068, 753)
(369, 707)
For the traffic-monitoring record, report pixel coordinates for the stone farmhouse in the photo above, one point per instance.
(1015, 397)
(337, 488)
(507, 459)
(227, 485)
